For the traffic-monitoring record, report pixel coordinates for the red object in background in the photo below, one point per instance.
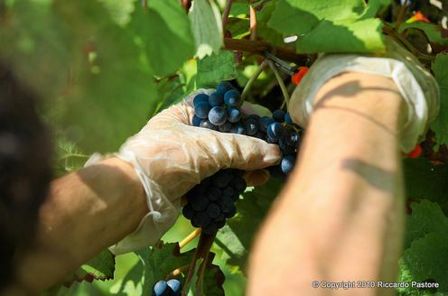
(298, 76)
(418, 17)
(416, 153)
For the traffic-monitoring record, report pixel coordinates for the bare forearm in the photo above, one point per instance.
(341, 215)
(85, 212)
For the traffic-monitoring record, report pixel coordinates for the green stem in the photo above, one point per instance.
(281, 84)
(401, 14)
(252, 79)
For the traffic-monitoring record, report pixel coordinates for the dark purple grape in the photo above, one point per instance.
(225, 128)
(232, 98)
(223, 87)
(234, 114)
(276, 171)
(175, 285)
(287, 164)
(200, 99)
(222, 179)
(278, 115)
(238, 129)
(214, 193)
(200, 219)
(228, 192)
(199, 203)
(294, 139)
(217, 115)
(265, 122)
(229, 211)
(220, 222)
(251, 125)
(239, 184)
(208, 125)
(196, 120)
(187, 211)
(274, 131)
(213, 210)
(215, 99)
(201, 110)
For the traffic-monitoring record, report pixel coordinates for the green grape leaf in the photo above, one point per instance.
(343, 36)
(252, 210)
(263, 30)
(101, 267)
(426, 181)
(433, 32)
(155, 263)
(426, 217)
(238, 27)
(160, 261)
(213, 281)
(239, 9)
(164, 29)
(440, 125)
(216, 68)
(329, 26)
(426, 259)
(206, 26)
(375, 6)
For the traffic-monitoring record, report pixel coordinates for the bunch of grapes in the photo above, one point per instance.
(211, 202)
(167, 288)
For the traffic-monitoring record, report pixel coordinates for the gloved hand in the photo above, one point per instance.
(417, 86)
(171, 156)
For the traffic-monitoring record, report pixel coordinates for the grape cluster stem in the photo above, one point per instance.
(202, 252)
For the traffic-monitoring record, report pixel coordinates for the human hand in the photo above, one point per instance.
(171, 156)
(416, 85)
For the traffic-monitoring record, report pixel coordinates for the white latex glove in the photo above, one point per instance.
(170, 157)
(417, 86)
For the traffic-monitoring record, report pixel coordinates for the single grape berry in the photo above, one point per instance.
(217, 115)
(198, 203)
(188, 211)
(265, 121)
(196, 120)
(234, 115)
(278, 115)
(214, 193)
(287, 164)
(208, 125)
(238, 129)
(213, 210)
(232, 98)
(239, 184)
(175, 285)
(200, 98)
(274, 131)
(251, 125)
(215, 99)
(223, 87)
(225, 128)
(201, 110)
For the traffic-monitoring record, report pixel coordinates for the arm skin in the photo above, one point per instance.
(341, 214)
(109, 201)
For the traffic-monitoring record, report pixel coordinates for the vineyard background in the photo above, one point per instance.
(104, 67)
